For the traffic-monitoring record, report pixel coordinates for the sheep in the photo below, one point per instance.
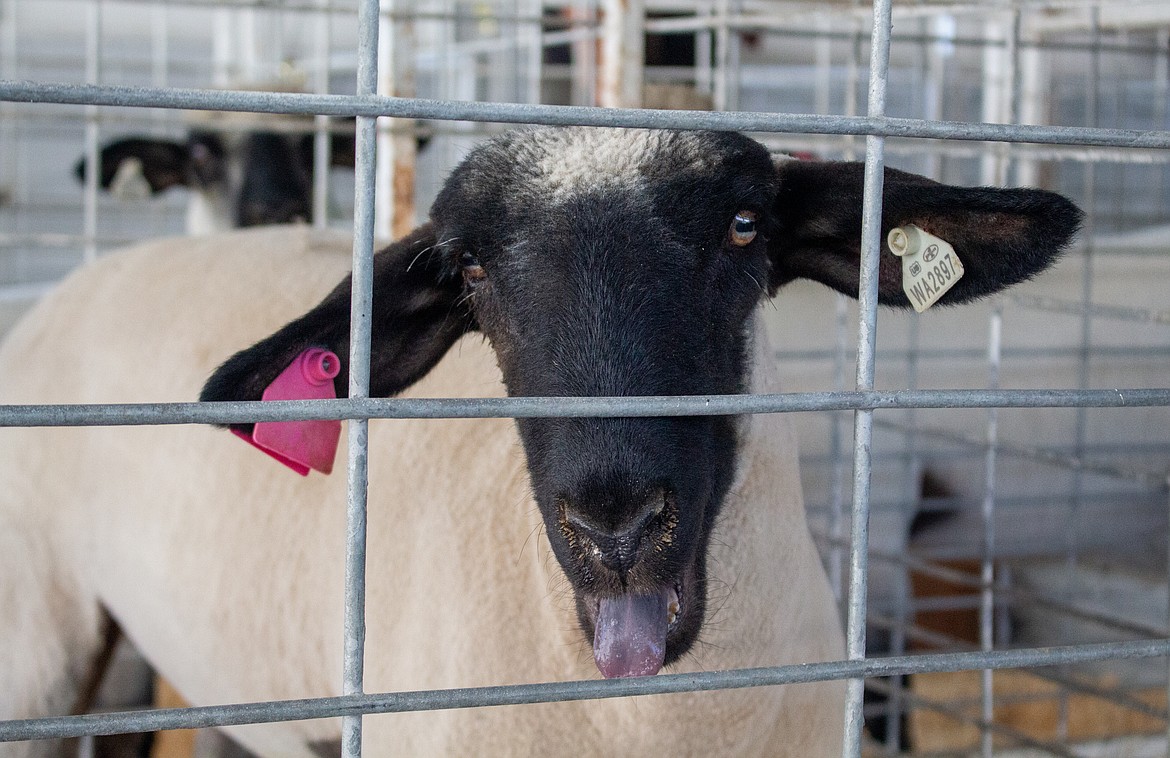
(238, 177)
(555, 262)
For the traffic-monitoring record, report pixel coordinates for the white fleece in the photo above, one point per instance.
(226, 569)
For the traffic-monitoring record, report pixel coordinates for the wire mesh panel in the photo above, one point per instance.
(1010, 461)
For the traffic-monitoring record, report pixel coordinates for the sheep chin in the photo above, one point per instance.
(630, 633)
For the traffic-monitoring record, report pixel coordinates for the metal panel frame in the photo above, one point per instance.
(367, 106)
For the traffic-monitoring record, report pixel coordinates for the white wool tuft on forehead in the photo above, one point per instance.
(567, 161)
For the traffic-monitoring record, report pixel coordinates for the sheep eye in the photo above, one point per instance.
(743, 229)
(472, 269)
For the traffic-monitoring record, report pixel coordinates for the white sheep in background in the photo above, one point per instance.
(237, 178)
(595, 262)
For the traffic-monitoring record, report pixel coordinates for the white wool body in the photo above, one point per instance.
(226, 569)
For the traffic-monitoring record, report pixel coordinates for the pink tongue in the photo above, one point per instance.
(630, 637)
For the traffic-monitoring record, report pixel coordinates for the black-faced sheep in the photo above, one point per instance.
(237, 178)
(595, 262)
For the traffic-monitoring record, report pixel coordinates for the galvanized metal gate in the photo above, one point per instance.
(848, 550)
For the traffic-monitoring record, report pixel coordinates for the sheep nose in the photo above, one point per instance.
(614, 529)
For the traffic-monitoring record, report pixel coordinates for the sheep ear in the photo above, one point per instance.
(341, 149)
(1002, 236)
(416, 318)
(164, 163)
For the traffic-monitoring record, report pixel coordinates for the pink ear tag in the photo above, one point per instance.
(301, 445)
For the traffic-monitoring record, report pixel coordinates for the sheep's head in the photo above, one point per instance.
(258, 177)
(608, 262)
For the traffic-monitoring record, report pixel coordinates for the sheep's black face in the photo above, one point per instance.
(623, 263)
(275, 181)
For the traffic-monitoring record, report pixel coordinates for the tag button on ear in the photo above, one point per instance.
(904, 240)
(302, 445)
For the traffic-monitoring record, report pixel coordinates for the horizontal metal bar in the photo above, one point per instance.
(974, 353)
(314, 7)
(1012, 594)
(831, 145)
(951, 711)
(959, 542)
(783, 26)
(1101, 449)
(1143, 477)
(565, 115)
(551, 692)
(1075, 307)
(137, 414)
(950, 644)
(34, 119)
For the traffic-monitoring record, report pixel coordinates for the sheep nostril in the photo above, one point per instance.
(616, 542)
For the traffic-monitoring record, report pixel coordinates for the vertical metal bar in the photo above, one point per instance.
(322, 138)
(1013, 93)
(8, 41)
(1003, 164)
(852, 80)
(1162, 95)
(9, 134)
(911, 473)
(987, 572)
(823, 65)
(159, 51)
(447, 36)
(274, 55)
(734, 49)
(93, 41)
(721, 78)
(86, 747)
(359, 377)
(1003, 619)
(1088, 232)
(223, 47)
(1033, 100)
(704, 47)
(837, 485)
(995, 80)
(159, 77)
(248, 44)
(535, 41)
(934, 81)
(396, 151)
(837, 454)
(871, 243)
(622, 53)
(386, 154)
(583, 52)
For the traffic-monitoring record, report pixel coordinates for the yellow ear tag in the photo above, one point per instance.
(929, 264)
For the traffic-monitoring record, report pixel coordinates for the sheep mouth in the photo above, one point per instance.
(638, 632)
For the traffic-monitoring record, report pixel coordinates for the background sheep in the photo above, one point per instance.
(238, 177)
(596, 262)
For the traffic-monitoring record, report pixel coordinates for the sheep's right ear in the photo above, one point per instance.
(417, 316)
(163, 163)
(1001, 236)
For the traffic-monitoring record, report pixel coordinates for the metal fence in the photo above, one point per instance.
(847, 549)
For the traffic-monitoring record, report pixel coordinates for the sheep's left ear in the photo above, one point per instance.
(1002, 236)
(416, 317)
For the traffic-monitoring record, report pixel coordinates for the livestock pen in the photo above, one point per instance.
(1002, 502)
